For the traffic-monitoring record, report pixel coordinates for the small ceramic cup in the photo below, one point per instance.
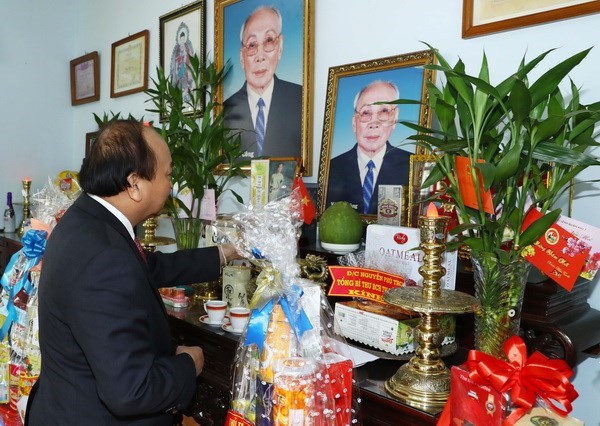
(215, 310)
(239, 317)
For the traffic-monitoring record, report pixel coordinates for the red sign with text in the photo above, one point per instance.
(362, 282)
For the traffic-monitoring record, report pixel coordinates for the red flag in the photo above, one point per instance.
(308, 207)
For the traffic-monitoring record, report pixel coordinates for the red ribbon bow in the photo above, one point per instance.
(525, 378)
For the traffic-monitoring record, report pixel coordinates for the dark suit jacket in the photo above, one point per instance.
(104, 334)
(283, 137)
(344, 182)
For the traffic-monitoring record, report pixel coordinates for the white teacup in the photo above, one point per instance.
(215, 309)
(239, 317)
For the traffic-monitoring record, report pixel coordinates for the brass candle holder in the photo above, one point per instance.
(424, 382)
(26, 212)
(151, 240)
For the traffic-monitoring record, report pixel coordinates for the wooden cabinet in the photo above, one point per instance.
(214, 384)
(9, 245)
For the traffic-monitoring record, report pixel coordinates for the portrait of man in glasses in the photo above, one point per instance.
(266, 110)
(354, 175)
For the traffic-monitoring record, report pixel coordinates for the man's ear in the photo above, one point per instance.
(134, 189)
(280, 46)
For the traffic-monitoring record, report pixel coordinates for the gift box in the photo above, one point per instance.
(489, 391)
(475, 404)
(381, 332)
(540, 416)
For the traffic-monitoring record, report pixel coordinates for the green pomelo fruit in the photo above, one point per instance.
(340, 224)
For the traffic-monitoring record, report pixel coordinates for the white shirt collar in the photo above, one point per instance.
(363, 159)
(117, 213)
(253, 98)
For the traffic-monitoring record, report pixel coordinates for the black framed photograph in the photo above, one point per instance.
(90, 138)
(489, 16)
(364, 145)
(182, 35)
(267, 94)
(85, 79)
(129, 65)
(421, 166)
(281, 176)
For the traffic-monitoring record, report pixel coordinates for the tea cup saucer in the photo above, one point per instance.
(227, 327)
(205, 320)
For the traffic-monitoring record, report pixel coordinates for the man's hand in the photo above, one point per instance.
(196, 353)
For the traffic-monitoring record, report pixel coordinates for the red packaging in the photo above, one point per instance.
(334, 390)
(473, 403)
(14, 392)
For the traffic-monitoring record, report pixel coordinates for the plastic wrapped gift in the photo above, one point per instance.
(490, 391)
(290, 368)
(17, 307)
(20, 359)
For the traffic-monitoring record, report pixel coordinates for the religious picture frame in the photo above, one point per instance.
(288, 79)
(90, 138)
(85, 79)
(350, 137)
(489, 16)
(282, 172)
(182, 34)
(129, 65)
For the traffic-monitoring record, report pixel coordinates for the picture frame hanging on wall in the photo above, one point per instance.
(482, 17)
(129, 65)
(85, 79)
(90, 138)
(182, 34)
(286, 42)
(356, 130)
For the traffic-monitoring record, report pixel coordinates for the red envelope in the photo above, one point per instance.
(466, 186)
(557, 253)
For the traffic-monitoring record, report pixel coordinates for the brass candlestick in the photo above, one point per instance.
(150, 240)
(424, 382)
(26, 212)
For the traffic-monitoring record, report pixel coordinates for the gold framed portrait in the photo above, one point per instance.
(279, 86)
(359, 128)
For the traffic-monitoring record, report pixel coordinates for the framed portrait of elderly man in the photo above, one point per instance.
(364, 145)
(267, 47)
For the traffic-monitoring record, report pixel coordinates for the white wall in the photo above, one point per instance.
(43, 134)
(36, 121)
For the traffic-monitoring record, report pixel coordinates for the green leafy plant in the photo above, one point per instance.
(105, 119)
(525, 143)
(205, 153)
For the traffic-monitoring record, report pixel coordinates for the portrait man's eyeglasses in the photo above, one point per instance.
(385, 114)
(269, 44)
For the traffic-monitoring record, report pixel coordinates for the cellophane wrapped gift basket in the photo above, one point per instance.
(20, 359)
(289, 368)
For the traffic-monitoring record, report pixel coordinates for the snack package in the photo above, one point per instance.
(289, 368)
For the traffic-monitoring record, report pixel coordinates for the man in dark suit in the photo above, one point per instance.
(104, 333)
(266, 110)
(355, 174)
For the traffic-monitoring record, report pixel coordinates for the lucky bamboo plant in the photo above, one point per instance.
(525, 142)
(205, 153)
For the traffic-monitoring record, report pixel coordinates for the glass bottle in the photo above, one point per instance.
(9, 215)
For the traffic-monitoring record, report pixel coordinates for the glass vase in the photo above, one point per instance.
(499, 289)
(187, 232)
